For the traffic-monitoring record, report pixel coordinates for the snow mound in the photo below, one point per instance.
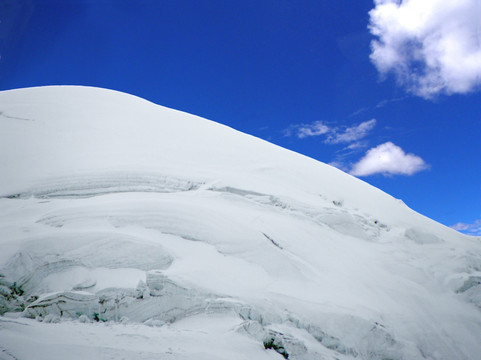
(131, 230)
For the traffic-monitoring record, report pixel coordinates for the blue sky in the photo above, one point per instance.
(388, 90)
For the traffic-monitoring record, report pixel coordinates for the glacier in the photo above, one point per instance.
(130, 230)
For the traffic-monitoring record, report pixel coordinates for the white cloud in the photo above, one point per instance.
(388, 159)
(335, 135)
(432, 46)
(351, 134)
(470, 229)
(356, 145)
(305, 130)
(314, 129)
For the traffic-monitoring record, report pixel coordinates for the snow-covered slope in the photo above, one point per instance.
(129, 230)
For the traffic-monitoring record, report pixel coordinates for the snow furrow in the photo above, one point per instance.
(96, 184)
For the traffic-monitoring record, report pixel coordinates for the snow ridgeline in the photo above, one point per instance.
(117, 211)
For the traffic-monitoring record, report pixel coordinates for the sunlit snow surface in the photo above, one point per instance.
(129, 230)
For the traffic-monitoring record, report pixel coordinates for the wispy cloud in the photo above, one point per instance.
(315, 129)
(360, 111)
(388, 159)
(379, 105)
(431, 46)
(306, 130)
(350, 134)
(335, 135)
(384, 102)
(356, 145)
(469, 229)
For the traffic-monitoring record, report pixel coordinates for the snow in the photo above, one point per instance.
(186, 339)
(184, 239)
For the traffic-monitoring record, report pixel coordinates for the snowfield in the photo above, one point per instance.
(129, 230)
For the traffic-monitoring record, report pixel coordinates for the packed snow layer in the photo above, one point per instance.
(129, 230)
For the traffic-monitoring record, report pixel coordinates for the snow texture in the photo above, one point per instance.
(129, 230)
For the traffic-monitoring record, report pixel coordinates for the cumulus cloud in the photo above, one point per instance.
(432, 46)
(470, 229)
(351, 134)
(388, 159)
